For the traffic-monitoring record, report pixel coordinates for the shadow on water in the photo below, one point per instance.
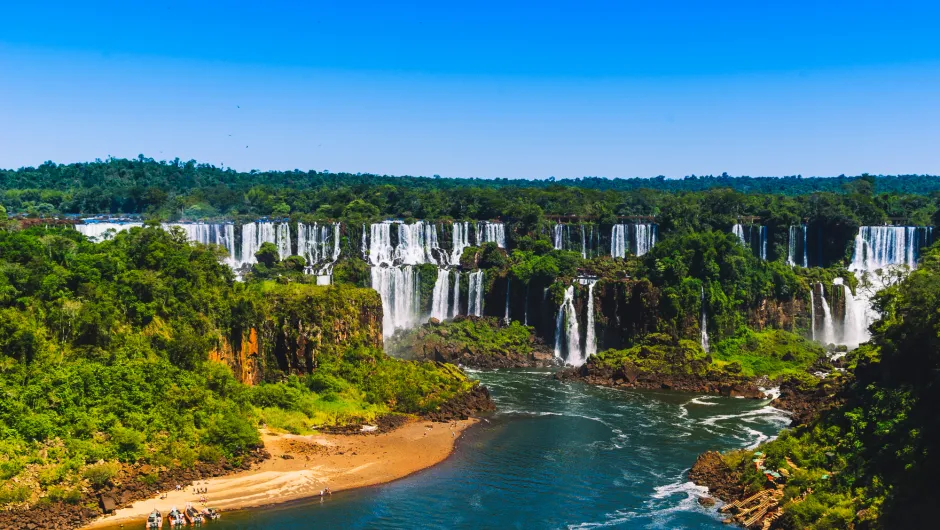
(555, 455)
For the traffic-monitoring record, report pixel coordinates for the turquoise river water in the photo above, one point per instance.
(554, 455)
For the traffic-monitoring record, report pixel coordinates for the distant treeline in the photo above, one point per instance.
(175, 189)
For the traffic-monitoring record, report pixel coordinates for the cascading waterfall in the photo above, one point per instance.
(705, 345)
(878, 248)
(797, 235)
(590, 338)
(475, 294)
(738, 231)
(488, 232)
(455, 308)
(96, 231)
(644, 238)
(763, 243)
(393, 274)
(508, 286)
(256, 234)
(461, 241)
(566, 328)
(399, 288)
(855, 327)
(440, 299)
(557, 241)
(828, 335)
(753, 237)
(812, 313)
(222, 234)
(320, 246)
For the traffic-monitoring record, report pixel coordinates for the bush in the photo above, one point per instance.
(64, 494)
(100, 474)
(209, 454)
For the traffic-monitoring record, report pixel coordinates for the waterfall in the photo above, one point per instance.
(399, 288)
(475, 294)
(855, 327)
(812, 313)
(441, 296)
(508, 286)
(738, 231)
(793, 244)
(222, 234)
(590, 339)
(557, 237)
(461, 241)
(805, 248)
(618, 241)
(828, 335)
(878, 248)
(566, 324)
(763, 243)
(644, 237)
(488, 232)
(455, 308)
(704, 322)
(319, 244)
(256, 234)
(97, 231)
(584, 253)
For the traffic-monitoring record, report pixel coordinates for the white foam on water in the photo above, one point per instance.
(771, 393)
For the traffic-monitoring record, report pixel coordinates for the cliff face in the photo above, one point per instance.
(292, 326)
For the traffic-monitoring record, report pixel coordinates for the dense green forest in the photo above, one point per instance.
(871, 461)
(106, 359)
(175, 189)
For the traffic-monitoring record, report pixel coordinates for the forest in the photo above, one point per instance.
(147, 347)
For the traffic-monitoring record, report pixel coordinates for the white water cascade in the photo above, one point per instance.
(441, 298)
(757, 242)
(488, 232)
(812, 313)
(877, 250)
(566, 329)
(455, 308)
(557, 236)
(590, 338)
(705, 345)
(797, 235)
(461, 240)
(738, 231)
(222, 234)
(320, 246)
(508, 285)
(399, 289)
(475, 294)
(828, 335)
(96, 231)
(256, 234)
(642, 240)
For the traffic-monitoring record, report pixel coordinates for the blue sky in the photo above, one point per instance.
(480, 89)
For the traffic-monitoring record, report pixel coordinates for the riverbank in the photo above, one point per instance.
(302, 466)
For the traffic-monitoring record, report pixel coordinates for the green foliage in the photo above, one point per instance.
(100, 474)
(871, 461)
(104, 358)
(773, 353)
(476, 336)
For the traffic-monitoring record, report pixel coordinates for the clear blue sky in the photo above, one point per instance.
(482, 89)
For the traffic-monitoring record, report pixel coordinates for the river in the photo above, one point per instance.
(554, 455)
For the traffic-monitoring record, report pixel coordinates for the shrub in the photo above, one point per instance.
(100, 474)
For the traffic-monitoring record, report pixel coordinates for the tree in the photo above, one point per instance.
(268, 254)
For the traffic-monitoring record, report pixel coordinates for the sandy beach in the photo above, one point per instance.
(302, 466)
